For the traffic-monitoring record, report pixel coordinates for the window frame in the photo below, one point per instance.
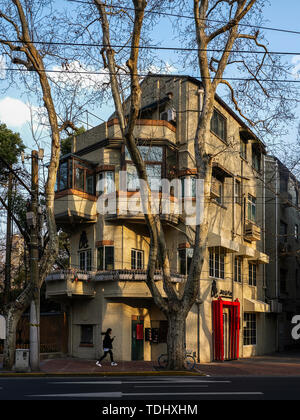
(252, 274)
(105, 264)
(84, 342)
(221, 117)
(148, 163)
(250, 330)
(238, 269)
(87, 261)
(185, 262)
(217, 256)
(137, 252)
(251, 202)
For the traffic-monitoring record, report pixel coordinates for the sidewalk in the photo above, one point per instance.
(279, 364)
(73, 366)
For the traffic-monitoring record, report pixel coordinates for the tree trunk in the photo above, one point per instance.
(12, 316)
(176, 340)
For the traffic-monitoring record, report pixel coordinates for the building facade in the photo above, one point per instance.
(282, 245)
(105, 285)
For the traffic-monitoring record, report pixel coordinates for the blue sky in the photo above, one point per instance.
(284, 15)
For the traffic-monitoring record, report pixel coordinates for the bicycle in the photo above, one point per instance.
(189, 360)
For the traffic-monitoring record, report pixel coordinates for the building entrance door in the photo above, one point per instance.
(226, 329)
(137, 338)
(226, 333)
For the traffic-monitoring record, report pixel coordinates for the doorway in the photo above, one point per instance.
(137, 338)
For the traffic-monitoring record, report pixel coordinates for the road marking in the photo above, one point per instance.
(83, 395)
(192, 393)
(170, 386)
(138, 394)
(88, 383)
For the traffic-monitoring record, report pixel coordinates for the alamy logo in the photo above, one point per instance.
(296, 329)
(178, 197)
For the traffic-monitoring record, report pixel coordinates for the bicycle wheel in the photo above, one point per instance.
(163, 361)
(189, 362)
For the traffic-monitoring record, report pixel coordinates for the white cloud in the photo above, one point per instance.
(75, 74)
(296, 70)
(13, 112)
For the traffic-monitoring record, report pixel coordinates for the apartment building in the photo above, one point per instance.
(105, 285)
(282, 245)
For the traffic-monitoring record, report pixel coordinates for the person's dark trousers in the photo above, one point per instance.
(105, 354)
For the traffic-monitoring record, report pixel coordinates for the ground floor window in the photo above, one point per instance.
(105, 258)
(249, 329)
(137, 259)
(86, 334)
(85, 260)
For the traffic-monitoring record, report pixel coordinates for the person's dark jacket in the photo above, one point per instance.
(107, 342)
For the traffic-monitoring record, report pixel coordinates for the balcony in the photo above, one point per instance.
(75, 197)
(73, 206)
(252, 232)
(70, 283)
(146, 129)
(126, 205)
(134, 275)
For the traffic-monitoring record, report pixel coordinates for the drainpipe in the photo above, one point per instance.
(199, 301)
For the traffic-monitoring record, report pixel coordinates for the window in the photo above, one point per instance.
(218, 125)
(283, 183)
(249, 329)
(153, 157)
(252, 274)
(79, 178)
(283, 231)
(106, 182)
(90, 184)
(185, 259)
(217, 263)
(86, 336)
(251, 208)
(238, 192)
(85, 260)
(256, 158)
(238, 269)
(105, 258)
(63, 176)
(243, 149)
(188, 187)
(137, 259)
(217, 188)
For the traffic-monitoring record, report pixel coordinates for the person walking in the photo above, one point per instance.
(107, 348)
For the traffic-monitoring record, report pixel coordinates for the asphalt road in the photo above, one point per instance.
(145, 389)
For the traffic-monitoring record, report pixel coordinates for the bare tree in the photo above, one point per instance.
(23, 24)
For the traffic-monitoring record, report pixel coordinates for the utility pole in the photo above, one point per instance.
(7, 281)
(33, 219)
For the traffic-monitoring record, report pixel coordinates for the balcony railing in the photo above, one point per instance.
(135, 275)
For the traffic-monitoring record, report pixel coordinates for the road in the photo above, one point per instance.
(172, 388)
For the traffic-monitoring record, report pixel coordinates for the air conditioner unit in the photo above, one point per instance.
(168, 115)
(252, 232)
(275, 306)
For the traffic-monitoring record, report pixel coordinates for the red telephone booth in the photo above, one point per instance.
(226, 329)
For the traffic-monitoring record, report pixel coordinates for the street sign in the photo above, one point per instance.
(2, 328)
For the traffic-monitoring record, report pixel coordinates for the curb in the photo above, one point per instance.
(63, 374)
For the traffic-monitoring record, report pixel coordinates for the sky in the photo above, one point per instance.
(15, 113)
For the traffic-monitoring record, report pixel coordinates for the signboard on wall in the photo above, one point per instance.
(2, 328)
